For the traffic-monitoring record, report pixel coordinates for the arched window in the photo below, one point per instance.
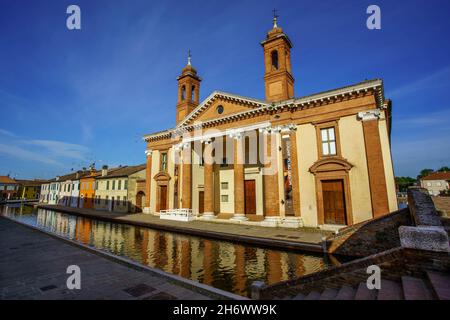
(183, 92)
(192, 93)
(274, 56)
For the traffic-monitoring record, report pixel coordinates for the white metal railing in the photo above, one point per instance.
(177, 214)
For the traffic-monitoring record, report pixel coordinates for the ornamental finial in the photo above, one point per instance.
(189, 57)
(275, 17)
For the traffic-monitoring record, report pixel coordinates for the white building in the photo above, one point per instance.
(436, 182)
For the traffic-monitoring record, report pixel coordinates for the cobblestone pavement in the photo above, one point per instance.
(308, 236)
(33, 266)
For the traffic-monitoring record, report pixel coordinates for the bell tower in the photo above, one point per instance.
(279, 82)
(188, 90)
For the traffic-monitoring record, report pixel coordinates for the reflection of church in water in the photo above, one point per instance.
(228, 266)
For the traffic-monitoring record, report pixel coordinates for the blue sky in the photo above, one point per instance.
(69, 98)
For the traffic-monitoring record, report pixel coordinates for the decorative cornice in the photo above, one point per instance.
(261, 107)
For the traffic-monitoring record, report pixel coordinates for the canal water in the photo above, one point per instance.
(221, 264)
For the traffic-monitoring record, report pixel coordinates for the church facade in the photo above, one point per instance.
(322, 160)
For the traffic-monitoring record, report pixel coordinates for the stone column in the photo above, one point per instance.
(209, 182)
(186, 196)
(239, 177)
(270, 181)
(375, 165)
(148, 181)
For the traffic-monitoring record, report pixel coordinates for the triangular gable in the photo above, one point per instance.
(231, 103)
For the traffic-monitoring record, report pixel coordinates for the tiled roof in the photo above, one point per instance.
(438, 176)
(32, 182)
(123, 171)
(7, 179)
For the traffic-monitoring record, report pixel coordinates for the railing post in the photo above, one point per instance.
(255, 289)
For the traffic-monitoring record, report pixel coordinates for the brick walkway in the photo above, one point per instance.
(33, 266)
(302, 238)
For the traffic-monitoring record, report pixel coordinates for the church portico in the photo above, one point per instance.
(318, 161)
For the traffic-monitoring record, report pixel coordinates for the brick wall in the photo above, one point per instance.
(370, 237)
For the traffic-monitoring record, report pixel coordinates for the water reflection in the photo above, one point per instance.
(221, 264)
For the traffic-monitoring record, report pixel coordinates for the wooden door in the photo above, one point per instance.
(139, 197)
(250, 196)
(334, 202)
(201, 201)
(163, 198)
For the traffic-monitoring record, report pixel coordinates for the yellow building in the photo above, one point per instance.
(118, 189)
(30, 189)
(322, 160)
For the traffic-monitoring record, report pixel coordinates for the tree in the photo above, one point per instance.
(444, 169)
(424, 173)
(404, 182)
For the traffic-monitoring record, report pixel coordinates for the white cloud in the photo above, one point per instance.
(20, 153)
(425, 119)
(437, 80)
(61, 149)
(7, 133)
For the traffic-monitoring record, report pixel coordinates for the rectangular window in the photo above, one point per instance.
(114, 185)
(119, 186)
(126, 184)
(224, 185)
(107, 185)
(124, 200)
(328, 142)
(224, 198)
(164, 161)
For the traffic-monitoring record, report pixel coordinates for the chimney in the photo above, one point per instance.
(92, 169)
(77, 175)
(57, 178)
(104, 170)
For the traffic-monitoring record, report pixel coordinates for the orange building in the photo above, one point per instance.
(87, 189)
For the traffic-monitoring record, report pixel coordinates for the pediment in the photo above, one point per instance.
(162, 176)
(232, 104)
(331, 164)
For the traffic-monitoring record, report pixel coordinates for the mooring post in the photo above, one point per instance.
(256, 287)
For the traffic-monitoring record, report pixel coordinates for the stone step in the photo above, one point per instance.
(346, 293)
(390, 290)
(440, 283)
(313, 295)
(300, 296)
(363, 293)
(415, 289)
(328, 294)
